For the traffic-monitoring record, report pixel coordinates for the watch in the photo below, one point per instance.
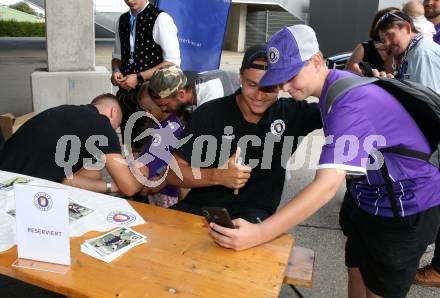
(140, 78)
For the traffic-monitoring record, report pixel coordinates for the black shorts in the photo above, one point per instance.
(387, 251)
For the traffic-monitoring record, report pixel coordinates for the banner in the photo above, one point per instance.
(201, 26)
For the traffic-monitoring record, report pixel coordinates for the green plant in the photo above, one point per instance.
(21, 29)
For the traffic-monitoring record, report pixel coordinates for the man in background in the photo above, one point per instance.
(146, 38)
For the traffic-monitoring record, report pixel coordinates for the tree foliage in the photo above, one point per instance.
(24, 7)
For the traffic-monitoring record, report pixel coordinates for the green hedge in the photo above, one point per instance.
(21, 29)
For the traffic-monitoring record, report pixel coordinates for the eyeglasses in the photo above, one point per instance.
(387, 17)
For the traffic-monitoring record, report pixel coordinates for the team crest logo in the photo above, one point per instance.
(157, 140)
(273, 55)
(121, 217)
(43, 201)
(278, 127)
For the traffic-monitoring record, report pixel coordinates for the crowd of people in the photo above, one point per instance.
(218, 132)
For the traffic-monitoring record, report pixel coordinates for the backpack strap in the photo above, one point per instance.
(341, 86)
(390, 190)
(407, 152)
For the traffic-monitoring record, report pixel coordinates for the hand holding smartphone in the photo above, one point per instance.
(218, 215)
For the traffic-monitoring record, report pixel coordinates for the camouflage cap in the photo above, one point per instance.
(166, 81)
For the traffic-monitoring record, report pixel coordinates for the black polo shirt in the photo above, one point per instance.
(285, 118)
(31, 150)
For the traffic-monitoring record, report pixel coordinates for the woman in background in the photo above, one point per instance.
(373, 51)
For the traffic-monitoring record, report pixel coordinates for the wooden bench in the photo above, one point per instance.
(299, 271)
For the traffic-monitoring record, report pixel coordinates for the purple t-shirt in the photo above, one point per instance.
(369, 118)
(437, 35)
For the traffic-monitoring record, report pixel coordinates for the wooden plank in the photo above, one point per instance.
(299, 271)
(179, 259)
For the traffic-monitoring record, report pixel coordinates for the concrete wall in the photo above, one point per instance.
(72, 77)
(341, 24)
(70, 35)
(51, 89)
(235, 35)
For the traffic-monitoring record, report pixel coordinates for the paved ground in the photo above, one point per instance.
(19, 57)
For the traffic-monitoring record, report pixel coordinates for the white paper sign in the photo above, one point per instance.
(42, 224)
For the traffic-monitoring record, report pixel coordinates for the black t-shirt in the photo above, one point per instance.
(216, 119)
(31, 150)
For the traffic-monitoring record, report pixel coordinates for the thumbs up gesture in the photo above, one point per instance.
(234, 174)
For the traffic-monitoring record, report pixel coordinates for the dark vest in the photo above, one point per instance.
(147, 53)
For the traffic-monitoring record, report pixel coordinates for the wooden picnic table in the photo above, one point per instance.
(178, 260)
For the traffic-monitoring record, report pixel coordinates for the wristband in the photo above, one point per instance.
(108, 187)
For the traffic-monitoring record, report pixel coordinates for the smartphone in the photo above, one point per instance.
(218, 215)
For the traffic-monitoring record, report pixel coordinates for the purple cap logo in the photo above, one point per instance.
(288, 50)
(273, 55)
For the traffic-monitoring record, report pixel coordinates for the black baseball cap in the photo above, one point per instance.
(254, 52)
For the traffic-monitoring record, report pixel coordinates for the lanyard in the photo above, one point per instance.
(404, 64)
(132, 37)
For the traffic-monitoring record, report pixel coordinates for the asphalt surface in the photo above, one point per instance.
(20, 57)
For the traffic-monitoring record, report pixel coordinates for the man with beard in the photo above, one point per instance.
(432, 13)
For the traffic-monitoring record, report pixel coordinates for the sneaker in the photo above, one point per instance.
(428, 276)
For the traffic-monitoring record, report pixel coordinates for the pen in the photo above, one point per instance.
(238, 162)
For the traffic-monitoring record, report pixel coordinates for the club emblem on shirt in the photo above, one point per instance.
(121, 217)
(278, 127)
(273, 55)
(43, 201)
(157, 140)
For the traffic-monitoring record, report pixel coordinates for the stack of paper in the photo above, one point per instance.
(113, 244)
(7, 186)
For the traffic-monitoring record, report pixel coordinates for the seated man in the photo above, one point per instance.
(197, 88)
(219, 127)
(56, 143)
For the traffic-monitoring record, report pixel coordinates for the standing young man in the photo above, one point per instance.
(146, 38)
(430, 274)
(383, 249)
